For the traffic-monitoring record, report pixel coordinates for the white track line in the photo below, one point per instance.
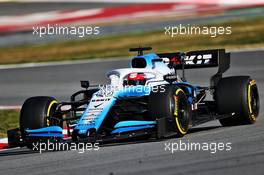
(8, 149)
(3, 107)
(3, 140)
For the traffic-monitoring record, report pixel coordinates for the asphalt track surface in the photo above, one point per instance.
(247, 142)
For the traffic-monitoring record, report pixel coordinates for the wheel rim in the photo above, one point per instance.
(182, 117)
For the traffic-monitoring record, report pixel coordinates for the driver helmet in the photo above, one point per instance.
(135, 79)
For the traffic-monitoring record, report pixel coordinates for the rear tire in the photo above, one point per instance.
(171, 103)
(35, 112)
(239, 95)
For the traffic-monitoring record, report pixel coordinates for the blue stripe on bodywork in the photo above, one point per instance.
(46, 135)
(51, 131)
(133, 91)
(46, 129)
(130, 91)
(133, 123)
(131, 128)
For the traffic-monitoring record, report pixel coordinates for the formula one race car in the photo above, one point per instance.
(147, 100)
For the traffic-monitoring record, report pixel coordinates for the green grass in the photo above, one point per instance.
(9, 119)
(245, 34)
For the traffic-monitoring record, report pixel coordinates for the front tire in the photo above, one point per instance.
(173, 104)
(36, 111)
(238, 95)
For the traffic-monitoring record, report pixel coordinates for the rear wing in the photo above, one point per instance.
(200, 59)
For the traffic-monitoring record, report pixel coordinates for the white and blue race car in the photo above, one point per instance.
(147, 100)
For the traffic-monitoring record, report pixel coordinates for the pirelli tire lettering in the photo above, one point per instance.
(181, 112)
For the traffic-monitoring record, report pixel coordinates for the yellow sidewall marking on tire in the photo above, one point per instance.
(249, 99)
(252, 82)
(179, 127)
(182, 131)
(49, 108)
(178, 90)
(175, 105)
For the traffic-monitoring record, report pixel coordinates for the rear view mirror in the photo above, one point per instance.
(85, 84)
